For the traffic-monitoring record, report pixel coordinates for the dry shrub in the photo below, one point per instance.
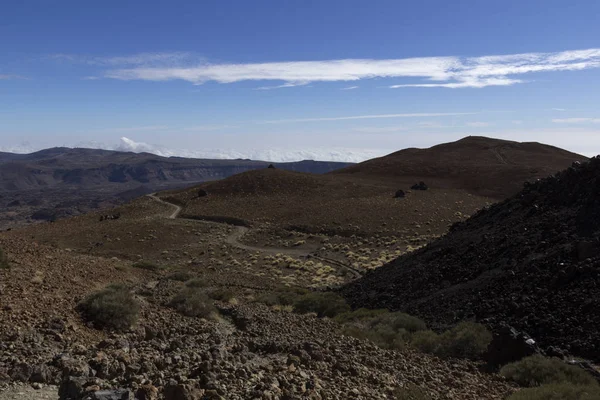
(113, 307)
(538, 370)
(193, 302)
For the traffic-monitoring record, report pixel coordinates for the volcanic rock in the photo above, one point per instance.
(530, 261)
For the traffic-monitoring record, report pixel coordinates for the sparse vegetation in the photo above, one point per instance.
(221, 294)
(384, 328)
(180, 276)
(558, 391)
(192, 301)
(3, 260)
(466, 340)
(196, 283)
(538, 370)
(113, 307)
(324, 304)
(147, 265)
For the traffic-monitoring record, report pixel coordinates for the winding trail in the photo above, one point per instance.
(239, 231)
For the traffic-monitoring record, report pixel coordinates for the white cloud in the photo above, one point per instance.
(140, 59)
(448, 72)
(477, 124)
(135, 129)
(576, 120)
(376, 116)
(267, 154)
(10, 76)
(285, 85)
(559, 109)
(517, 122)
(349, 88)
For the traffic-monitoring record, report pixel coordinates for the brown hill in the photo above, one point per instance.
(341, 204)
(484, 166)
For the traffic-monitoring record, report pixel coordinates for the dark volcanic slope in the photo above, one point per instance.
(484, 166)
(532, 261)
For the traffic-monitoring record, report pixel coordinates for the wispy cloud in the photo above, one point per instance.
(135, 129)
(517, 122)
(477, 124)
(208, 128)
(140, 59)
(10, 76)
(376, 116)
(349, 88)
(576, 120)
(285, 85)
(559, 109)
(447, 72)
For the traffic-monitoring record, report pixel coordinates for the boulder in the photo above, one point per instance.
(419, 186)
(271, 166)
(202, 193)
(399, 194)
(114, 394)
(509, 345)
(182, 392)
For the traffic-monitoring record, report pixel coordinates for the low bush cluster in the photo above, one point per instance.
(465, 340)
(384, 328)
(147, 265)
(113, 308)
(538, 370)
(550, 379)
(558, 391)
(221, 294)
(180, 276)
(192, 301)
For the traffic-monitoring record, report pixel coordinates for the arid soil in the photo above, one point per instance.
(251, 236)
(250, 351)
(532, 261)
(481, 165)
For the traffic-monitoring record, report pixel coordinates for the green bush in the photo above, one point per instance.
(465, 340)
(324, 304)
(538, 370)
(3, 260)
(282, 297)
(147, 265)
(196, 283)
(193, 302)
(558, 391)
(112, 308)
(180, 276)
(425, 341)
(384, 328)
(221, 294)
(358, 315)
(411, 392)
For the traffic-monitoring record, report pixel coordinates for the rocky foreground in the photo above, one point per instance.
(250, 351)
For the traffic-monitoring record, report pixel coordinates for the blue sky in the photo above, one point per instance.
(343, 80)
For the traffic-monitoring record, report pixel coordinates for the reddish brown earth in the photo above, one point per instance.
(483, 166)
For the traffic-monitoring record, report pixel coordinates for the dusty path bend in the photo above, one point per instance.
(239, 231)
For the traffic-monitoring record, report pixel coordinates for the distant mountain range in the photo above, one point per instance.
(63, 181)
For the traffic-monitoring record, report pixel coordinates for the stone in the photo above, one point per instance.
(419, 186)
(114, 394)
(400, 194)
(182, 392)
